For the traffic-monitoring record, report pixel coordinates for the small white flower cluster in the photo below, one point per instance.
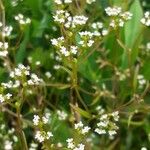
(146, 19)
(6, 31)
(90, 1)
(148, 46)
(37, 120)
(60, 2)
(98, 29)
(141, 81)
(21, 72)
(122, 75)
(3, 49)
(14, 3)
(33, 146)
(4, 98)
(107, 124)
(7, 137)
(22, 20)
(59, 44)
(143, 148)
(62, 115)
(118, 16)
(71, 145)
(8, 145)
(100, 110)
(21, 76)
(113, 11)
(86, 39)
(65, 18)
(42, 136)
(48, 74)
(81, 128)
(97, 25)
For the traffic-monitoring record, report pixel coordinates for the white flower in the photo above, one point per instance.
(58, 41)
(148, 46)
(85, 130)
(61, 16)
(56, 67)
(78, 125)
(146, 19)
(48, 74)
(39, 137)
(70, 143)
(112, 132)
(90, 43)
(100, 131)
(119, 17)
(49, 135)
(115, 115)
(79, 147)
(3, 49)
(22, 20)
(61, 115)
(143, 148)
(97, 25)
(104, 32)
(37, 63)
(59, 2)
(64, 51)
(45, 120)
(8, 96)
(8, 145)
(7, 31)
(67, 1)
(113, 11)
(126, 15)
(74, 49)
(36, 120)
(90, 1)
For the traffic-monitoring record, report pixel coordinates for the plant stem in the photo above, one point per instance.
(20, 130)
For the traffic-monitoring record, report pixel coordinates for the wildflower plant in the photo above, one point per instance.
(74, 74)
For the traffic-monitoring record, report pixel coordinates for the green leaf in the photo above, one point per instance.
(89, 69)
(133, 26)
(133, 30)
(21, 53)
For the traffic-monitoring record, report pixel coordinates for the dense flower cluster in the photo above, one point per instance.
(22, 75)
(73, 146)
(86, 39)
(107, 124)
(118, 16)
(59, 44)
(6, 30)
(62, 115)
(146, 19)
(90, 1)
(42, 135)
(60, 2)
(5, 97)
(37, 120)
(3, 49)
(81, 128)
(64, 17)
(22, 20)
